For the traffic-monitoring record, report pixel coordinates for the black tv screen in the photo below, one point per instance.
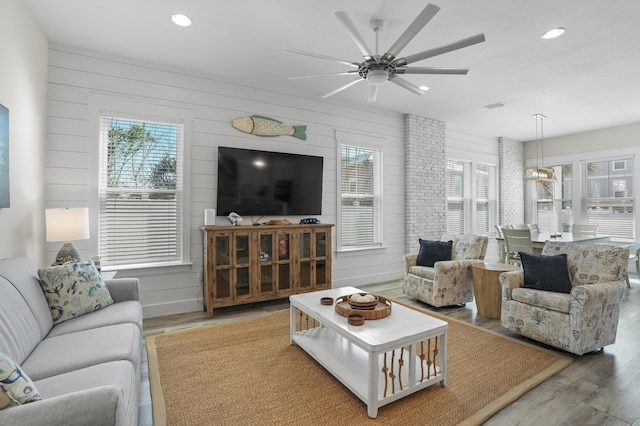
(263, 183)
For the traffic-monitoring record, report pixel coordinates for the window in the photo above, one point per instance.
(471, 197)
(554, 204)
(455, 197)
(140, 191)
(483, 199)
(609, 197)
(360, 201)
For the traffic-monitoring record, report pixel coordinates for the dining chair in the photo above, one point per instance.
(533, 227)
(517, 240)
(581, 229)
(502, 245)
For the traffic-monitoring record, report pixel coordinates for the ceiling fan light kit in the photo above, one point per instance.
(377, 69)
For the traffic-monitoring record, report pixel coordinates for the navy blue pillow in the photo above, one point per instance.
(549, 273)
(433, 251)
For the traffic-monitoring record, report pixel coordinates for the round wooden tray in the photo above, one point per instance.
(383, 309)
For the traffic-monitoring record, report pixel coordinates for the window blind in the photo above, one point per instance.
(455, 197)
(360, 196)
(610, 199)
(140, 191)
(554, 201)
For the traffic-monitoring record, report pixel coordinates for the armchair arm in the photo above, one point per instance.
(596, 307)
(102, 406)
(510, 280)
(122, 289)
(409, 260)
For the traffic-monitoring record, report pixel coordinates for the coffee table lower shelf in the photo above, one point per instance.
(363, 373)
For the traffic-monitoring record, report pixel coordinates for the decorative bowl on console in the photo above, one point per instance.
(363, 301)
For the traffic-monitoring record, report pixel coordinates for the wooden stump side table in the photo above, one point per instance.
(486, 287)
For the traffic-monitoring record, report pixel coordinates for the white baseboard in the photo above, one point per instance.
(177, 307)
(367, 279)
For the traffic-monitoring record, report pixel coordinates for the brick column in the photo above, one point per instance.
(511, 171)
(425, 180)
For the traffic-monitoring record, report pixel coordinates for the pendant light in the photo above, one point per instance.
(539, 173)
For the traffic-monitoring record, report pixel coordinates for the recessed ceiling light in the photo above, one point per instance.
(424, 88)
(556, 32)
(181, 20)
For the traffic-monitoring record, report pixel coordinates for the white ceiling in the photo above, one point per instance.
(587, 79)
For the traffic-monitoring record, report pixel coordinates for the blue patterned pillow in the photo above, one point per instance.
(73, 289)
(15, 387)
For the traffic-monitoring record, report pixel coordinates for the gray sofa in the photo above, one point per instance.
(86, 369)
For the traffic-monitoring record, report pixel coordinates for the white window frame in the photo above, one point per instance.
(365, 142)
(102, 105)
(470, 199)
(579, 161)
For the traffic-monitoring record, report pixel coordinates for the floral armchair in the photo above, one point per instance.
(448, 282)
(584, 320)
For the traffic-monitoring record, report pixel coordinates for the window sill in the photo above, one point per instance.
(345, 252)
(142, 269)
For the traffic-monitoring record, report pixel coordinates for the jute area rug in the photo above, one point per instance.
(246, 373)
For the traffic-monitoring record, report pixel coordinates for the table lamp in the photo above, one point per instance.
(65, 225)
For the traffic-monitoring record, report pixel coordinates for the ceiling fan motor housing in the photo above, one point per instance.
(376, 73)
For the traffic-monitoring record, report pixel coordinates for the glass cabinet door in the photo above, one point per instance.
(222, 287)
(243, 281)
(283, 246)
(304, 278)
(320, 256)
(267, 272)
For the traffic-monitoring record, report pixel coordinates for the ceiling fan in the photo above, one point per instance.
(377, 69)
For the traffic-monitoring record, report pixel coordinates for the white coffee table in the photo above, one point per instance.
(375, 360)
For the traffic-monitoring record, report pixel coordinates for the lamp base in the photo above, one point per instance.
(67, 254)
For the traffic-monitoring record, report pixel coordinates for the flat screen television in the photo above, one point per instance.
(264, 183)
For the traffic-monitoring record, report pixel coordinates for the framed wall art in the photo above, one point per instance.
(4, 157)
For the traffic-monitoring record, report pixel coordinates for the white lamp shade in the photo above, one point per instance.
(67, 224)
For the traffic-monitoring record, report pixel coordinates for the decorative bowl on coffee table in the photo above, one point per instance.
(355, 303)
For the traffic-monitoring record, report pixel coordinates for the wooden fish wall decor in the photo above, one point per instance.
(260, 125)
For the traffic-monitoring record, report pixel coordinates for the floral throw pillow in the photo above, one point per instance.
(15, 387)
(73, 289)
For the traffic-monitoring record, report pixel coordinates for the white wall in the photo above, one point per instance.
(627, 136)
(76, 76)
(23, 90)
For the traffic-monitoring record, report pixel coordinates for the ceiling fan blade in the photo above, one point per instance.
(340, 89)
(355, 34)
(324, 75)
(412, 30)
(465, 42)
(430, 70)
(409, 86)
(319, 56)
(373, 92)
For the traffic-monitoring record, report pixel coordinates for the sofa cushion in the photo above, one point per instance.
(23, 276)
(19, 331)
(16, 388)
(73, 289)
(118, 313)
(548, 273)
(68, 352)
(423, 271)
(554, 301)
(433, 251)
(119, 373)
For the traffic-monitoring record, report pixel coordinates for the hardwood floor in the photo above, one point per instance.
(596, 389)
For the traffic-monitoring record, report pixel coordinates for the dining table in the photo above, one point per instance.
(539, 238)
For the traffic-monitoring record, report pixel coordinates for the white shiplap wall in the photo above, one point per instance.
(77, 76)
